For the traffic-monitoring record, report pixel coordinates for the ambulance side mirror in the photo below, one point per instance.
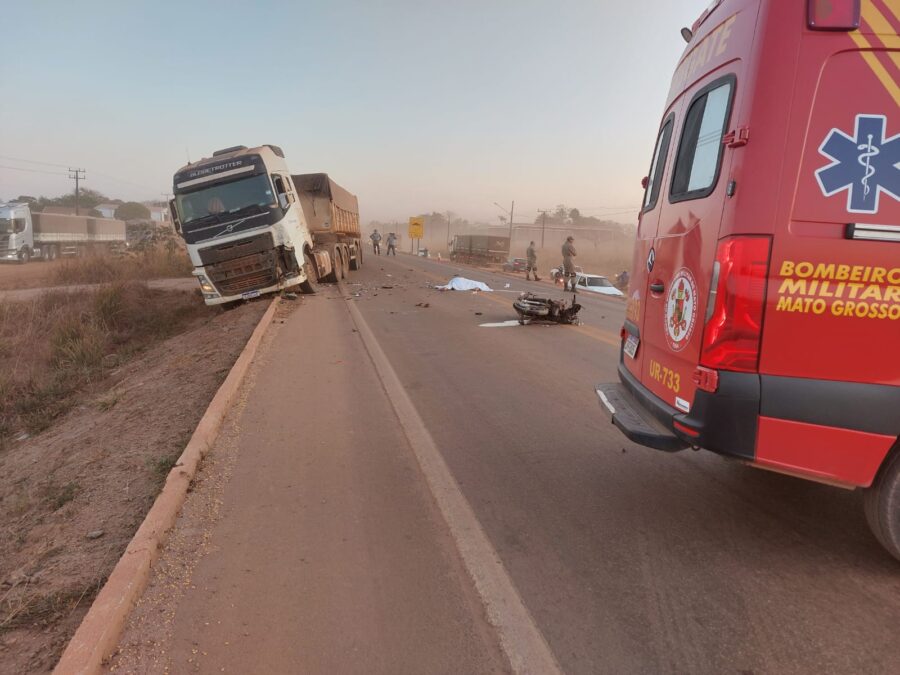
(645, 181)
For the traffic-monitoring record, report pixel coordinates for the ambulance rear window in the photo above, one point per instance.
(700, 148)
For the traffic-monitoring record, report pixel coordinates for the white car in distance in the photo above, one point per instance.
(594, 283)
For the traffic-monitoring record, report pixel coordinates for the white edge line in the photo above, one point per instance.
(522, 642)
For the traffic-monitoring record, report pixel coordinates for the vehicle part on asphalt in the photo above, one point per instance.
(530, 308)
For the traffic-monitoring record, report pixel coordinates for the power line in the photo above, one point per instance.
(19, 168)
(33, 161)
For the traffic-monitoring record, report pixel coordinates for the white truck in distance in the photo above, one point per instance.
(252, 228)
(26, 236)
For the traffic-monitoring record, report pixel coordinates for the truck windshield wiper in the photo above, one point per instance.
(246, 210)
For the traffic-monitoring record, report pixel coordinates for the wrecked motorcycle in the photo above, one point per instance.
(530, 308)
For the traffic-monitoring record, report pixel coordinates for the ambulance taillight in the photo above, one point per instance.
(833, 14)
(737, 299)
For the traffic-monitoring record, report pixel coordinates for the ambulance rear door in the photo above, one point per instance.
(680, 263)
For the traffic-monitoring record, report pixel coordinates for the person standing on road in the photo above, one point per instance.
(531, 265)
(568, 253)
(376, 242)
(392, 244)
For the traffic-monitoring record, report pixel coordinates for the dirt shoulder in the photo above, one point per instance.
(32, 275)
(72, 497)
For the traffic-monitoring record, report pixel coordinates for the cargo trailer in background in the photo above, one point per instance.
(479, 248)
(26, 236)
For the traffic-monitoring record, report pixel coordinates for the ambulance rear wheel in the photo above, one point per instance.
(312, 277)
(882, 504)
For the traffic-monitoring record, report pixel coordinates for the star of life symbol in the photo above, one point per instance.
(865, 164)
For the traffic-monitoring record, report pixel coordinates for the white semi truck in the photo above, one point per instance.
(26, 236)
(252, 228)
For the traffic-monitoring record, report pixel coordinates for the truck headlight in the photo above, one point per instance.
(206, 286)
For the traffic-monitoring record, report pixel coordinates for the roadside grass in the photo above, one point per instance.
(57, 496)
(161, 466)
(18, 607)
(60, 343)
(155, 263)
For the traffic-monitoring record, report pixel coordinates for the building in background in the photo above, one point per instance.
(159, 214)
(107, 210)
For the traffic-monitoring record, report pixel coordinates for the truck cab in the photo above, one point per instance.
(243, 225)
(16, 232)
(763, 310)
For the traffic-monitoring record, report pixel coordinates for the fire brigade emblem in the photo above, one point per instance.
(681, 313)
(866, 164)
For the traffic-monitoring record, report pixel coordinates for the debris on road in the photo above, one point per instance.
(423, 304)
(463, 284)
(95, 534)
(501, 324)
(530, 308)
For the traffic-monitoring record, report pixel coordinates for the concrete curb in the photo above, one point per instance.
(98, 635)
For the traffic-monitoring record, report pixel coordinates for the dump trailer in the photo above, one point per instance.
(26, 236)
(247, 233)
(332, 216)
(479, 248)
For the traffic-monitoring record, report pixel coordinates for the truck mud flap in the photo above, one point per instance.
(630, 418)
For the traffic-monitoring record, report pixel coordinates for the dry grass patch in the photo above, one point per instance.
(61, 342)
(154, 263)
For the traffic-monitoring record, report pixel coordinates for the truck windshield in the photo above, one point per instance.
(225, 199)
(11, 225)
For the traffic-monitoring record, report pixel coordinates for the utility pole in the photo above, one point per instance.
(77, 175)
(511, 209)
(448, 230)
(543, 213)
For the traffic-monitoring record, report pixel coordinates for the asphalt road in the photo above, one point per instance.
(627, 559)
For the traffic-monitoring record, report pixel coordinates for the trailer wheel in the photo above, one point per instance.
(345, 258)
(312, 276)
(337, 266)
(356, 263)
(882, 504)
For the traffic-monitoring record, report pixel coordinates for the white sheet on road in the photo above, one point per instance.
(463, 284)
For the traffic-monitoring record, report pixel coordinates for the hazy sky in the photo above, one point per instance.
(414, 106)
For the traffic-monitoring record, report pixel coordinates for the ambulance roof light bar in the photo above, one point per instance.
(833, 14)
(867, 232)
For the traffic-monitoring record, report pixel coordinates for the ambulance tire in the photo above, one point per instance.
(312, 277)
(882, 504)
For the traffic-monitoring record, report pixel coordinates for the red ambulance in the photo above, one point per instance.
(763, 315)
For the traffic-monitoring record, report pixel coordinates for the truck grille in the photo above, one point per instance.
(242, 265)
(247, 273)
